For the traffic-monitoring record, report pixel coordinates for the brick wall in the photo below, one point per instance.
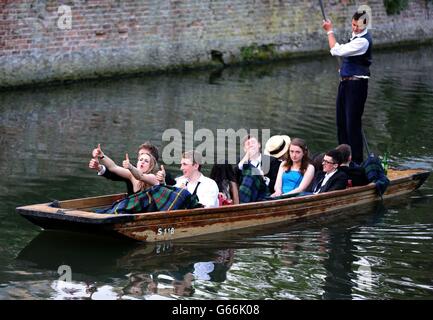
(109, 37)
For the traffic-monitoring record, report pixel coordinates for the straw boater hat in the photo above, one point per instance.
(277, 146)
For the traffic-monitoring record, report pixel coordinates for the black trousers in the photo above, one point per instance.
(351, 98)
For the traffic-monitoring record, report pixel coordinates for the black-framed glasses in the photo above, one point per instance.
(328, 162)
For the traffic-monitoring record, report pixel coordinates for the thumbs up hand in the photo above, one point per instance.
(126, 163)
(160, 175)
(97, 152)
(94, 164)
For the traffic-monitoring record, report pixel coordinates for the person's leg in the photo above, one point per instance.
(341, 113)
(355, 101)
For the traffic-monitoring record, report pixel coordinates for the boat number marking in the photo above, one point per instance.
(164, 231)
(160, 248)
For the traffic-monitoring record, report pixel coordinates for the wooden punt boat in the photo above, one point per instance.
(77, 215)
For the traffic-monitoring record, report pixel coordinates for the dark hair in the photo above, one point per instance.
(248, 137)
(153, 150)
(305, 159)
(345, 151)
(335, 155)
(221, 172)
(317, 162)
(358, 15)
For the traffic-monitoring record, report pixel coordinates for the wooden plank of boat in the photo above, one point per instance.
(166, 225)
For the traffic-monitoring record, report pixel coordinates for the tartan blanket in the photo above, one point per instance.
(375, 173)
(252, 187)
(155, 198)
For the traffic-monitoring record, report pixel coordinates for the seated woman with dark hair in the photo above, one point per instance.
(317, 160)
(224, 176)
(295, 173)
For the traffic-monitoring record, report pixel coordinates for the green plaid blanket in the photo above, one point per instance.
(156, 198)
(252, 187)
(375, 173)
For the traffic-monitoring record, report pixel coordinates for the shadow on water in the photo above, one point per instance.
(341, 280)
(103, 256)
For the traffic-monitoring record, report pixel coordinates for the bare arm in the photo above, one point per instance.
(235, 192)
(113, 167)
(279, 181)
(137, 174)
(327, 25)
(147, 178)
(306, 180)
(109, 164)
(331, 40)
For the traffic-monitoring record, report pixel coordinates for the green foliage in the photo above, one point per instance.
(395, 6)
(258, 53)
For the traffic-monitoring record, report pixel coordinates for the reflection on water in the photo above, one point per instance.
(46, 135)
(142, 270)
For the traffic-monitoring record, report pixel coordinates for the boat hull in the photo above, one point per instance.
(75, 215)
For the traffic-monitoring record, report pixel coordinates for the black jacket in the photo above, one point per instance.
(274, 165)
(129, 187)
(338, 181)
(356, 175)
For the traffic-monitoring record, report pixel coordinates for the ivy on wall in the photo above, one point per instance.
(395, 6)
(427, 7)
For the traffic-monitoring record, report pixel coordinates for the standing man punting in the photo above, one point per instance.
(353, 88)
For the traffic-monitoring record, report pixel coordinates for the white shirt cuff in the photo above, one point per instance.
(241, 165)
(102, 171)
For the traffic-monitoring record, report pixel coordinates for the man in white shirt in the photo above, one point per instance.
(195, 182)
(353, 88)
